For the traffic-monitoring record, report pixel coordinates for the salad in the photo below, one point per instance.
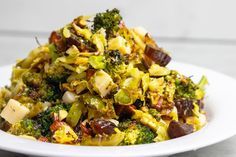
(99, 83)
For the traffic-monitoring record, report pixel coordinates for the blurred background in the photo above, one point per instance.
(200, 32)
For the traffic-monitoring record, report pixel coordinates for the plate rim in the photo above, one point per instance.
(34, 151)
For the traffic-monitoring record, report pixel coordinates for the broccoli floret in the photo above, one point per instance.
(45, 119)
(136, 133)
(32, 79)
(114, 57)
(185, 87)
(39, 89)
(49, 92)
(108, 20)
(56, 74)
(26, 127)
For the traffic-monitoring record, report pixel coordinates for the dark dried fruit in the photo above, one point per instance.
(184, 107)
(5, 126)
(178, 129)
(82, 44)
(124, 111)
(101, 126)
(85, 130)
(90, 73)
(156, 55)
(138, 103)
(58, 41)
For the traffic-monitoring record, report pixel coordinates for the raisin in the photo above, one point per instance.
(101, 126)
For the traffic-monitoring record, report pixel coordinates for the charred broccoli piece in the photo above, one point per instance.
(46, 92)
(185, 87)
(49, 92)
(56, 74)
(26, 127)
(136, 133)
(114, 57)
(39, 89)
(108, 20)
(32, 79)
(45, 119)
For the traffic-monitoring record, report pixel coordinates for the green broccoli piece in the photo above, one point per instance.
(185, 87)
(136, 133)
(49, 92)
(108, 20)
(26, 127)
(32, 79)
(56, 74)
(45, 119)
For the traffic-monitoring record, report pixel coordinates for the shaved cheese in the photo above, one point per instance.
(14, 111)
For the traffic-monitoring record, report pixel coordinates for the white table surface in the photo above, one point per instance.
(196, 32)
(218, 56)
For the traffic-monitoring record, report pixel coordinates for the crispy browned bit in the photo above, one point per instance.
(57, 39)
(178, 129)
(102, 126)
(5, 126)
(184, 107)
(43, 139)
(90, 73)
(33, 94)
(165, 117)
(157, 55)
(85, 130)
(82, 44)
(124, 111)
(80, 21)
(18, 95)
(54, 37)
(148, 40)
(158, 106)
(66, 87)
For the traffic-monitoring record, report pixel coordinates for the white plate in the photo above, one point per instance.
(220, 106)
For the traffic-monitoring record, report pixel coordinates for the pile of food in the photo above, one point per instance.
(100, 83)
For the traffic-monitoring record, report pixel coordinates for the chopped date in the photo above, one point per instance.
(178, 129)
(101, 126)
(5, 126)
(184, 107)
(124, 111)
(156, 55)
(82, 44)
